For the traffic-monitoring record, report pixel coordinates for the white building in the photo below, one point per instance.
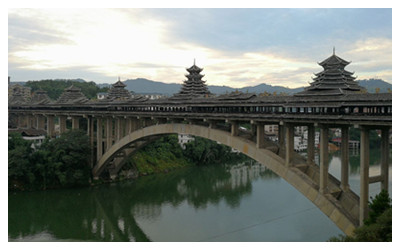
(183, 139)
(102, 95)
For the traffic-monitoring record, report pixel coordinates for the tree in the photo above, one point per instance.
(378, 225)
(19, 161)
(54, 88)
(68, 163)
(60, 162)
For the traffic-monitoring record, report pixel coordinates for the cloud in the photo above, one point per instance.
(372, 58)
(236, 47)
(26, 29)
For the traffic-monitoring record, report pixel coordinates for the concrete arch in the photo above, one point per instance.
(327, 203)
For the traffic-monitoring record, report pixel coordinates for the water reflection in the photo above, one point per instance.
(239, 202)
(109, 212)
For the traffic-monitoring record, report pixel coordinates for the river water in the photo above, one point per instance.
(236, 202)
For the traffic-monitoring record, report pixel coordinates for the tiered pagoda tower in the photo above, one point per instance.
(194, 86)
(17, 98)
(72, 94)
(118, 91)
(40, 97)
(333, 80)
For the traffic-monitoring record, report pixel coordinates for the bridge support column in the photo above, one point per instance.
(234, 128)
(311, 144)
(324, 160)
(40, 120)
(289, 131)
(364, 174)
(62, 121)
(90, 132)
(117, 128)
(109, 132)
(20, 119)
(75, 122)
(125, 128)
(281, 136)
(385, 158)
(99, 138)
(133, 124)
(344, 147)
(260, 135)
(29, 121)
(50, 126)
(253, 129)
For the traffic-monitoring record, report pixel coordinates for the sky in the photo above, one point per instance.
(235, 47)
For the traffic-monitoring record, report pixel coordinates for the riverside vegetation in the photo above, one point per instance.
(64, 162)
(378, 226)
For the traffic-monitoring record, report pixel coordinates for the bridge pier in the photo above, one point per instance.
(310, 144)
(75, 122)
(234, 128)
(385, 158)
(364, 174)
(29, 122)
(289, 129)
(40, 122)
(108, 133)
(90, 134)
(324, 160)
(133, 124)
(344, 147)
(118, 128)
(260, 135)
(50, 126)
(99, 138)
(62, 121)
(281, 135)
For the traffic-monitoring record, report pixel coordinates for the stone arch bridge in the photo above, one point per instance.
(117, 130)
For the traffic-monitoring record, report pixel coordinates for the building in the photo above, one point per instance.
(17, 89)
(118, 92)
(183, 139)
(333, 80)
(194, 86)
(36, 136)
(72, 95)
(102, 95)
(271, 129)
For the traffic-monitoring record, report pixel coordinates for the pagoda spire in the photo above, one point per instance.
(333, 50)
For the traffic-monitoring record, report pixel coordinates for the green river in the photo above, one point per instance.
(236, 202)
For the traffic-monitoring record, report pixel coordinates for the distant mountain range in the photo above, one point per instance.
(145, 86)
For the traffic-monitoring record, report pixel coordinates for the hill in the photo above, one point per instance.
(372, 84)
(144, 86)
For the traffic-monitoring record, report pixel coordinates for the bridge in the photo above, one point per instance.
(120, 124)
